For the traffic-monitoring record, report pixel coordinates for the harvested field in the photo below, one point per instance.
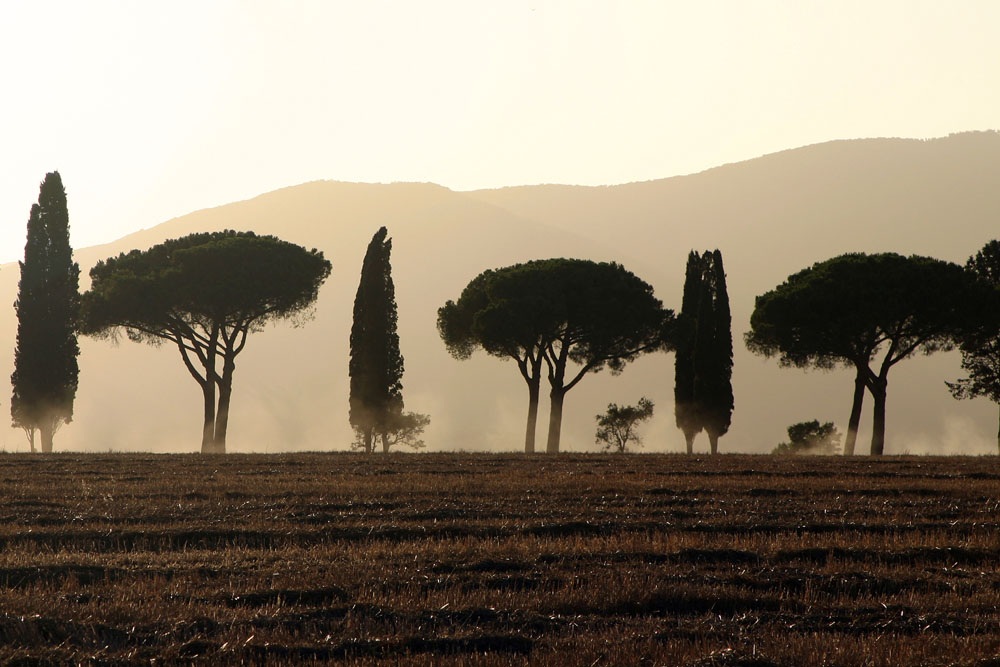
(500, 559)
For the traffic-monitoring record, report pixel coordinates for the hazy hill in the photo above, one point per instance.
(770, 216)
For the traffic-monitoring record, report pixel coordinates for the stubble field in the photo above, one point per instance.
(500, 559)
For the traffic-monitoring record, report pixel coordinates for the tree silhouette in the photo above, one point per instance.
(703, 366)
(205, 293)
(810, 438)
(376, 365)
(617, 427)
(560, 311)
(45, 360)
(402, 428)
(845, 310)
(607, 318)
(980, 345)
(506, 313)
(719, 413)
(686, 414)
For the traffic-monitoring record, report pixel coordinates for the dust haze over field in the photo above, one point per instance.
(770, 216)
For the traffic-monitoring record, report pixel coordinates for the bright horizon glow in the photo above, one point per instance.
(153, 111)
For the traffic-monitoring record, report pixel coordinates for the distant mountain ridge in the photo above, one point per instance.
(770, 216)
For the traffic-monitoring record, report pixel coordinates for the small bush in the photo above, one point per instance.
(811, 438)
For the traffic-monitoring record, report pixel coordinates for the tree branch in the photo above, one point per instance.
(191, 368)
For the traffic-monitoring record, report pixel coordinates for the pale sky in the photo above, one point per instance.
(151, 110)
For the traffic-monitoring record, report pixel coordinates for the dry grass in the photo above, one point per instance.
(494, 560)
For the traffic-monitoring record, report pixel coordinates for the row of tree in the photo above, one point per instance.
(548, 313)
(866, 312)
(204, 294)
(558, 318)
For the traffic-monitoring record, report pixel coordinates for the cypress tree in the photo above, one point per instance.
(703, 392)
(719, 399)
(685, 408)
(704, 361)
(45, 360)
(376, 365)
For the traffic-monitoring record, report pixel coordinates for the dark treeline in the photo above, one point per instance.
(557, 319)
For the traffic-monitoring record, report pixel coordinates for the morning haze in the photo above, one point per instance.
(770, 216)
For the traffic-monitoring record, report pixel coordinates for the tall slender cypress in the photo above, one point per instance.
(685, 408)
(703, 392)
(719, 402)
(45, 360)
(376, 365)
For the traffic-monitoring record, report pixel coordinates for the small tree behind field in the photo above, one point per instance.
(811, 438)
(617, 427)
(401, 428)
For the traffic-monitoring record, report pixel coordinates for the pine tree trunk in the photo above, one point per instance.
(555, 420)
(531, 427)
(222, 421)
(998, 439)
(46, 432)
(878, 423)
(385, 444)
(713, 442)
(208, 394)
(689, 441)
(851, 438)
(208, 429)
(222, 416)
